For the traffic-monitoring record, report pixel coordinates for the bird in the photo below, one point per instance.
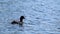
(19, 22)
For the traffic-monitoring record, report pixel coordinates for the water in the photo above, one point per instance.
(41, 16)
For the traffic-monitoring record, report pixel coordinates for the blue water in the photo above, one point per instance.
(41, 16)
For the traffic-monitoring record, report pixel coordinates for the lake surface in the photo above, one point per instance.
(41, 16)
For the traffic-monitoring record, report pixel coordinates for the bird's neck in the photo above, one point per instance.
(21, 20)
